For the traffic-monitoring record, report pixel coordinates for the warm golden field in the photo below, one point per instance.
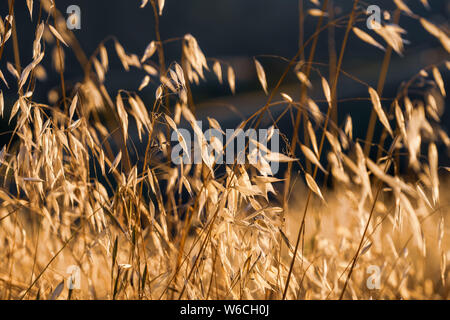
(76, 204)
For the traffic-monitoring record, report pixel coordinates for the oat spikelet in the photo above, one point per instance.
(214, 124)
(158, 93)
(441, 232)
(402, 6)
(317, 13)
(439, 81)
(438, 33)
(313, 185)
(149, 51)
(99, 70)
(303, 79)
(144, 83)
(123, 115)
(73, 106)
(286, 97)
(348, 128)
(261, 75)
(12, 70)
(122, 55)
(2, 103)
(400, 120)
(3, 79)
(443, 266)
(104, 57)
(170, 122)
(116, 161)
(379, 110)
(231, 79)
(367, 38)
(314, 110)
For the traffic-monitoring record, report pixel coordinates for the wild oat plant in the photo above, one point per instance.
(83, 217)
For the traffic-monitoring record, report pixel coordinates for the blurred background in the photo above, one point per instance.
(236, 31)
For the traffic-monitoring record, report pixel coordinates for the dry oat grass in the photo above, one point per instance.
(69, 198)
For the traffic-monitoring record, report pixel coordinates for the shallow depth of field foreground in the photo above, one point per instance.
(354, 203)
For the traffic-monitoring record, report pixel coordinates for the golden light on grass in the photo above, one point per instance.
(72, 194)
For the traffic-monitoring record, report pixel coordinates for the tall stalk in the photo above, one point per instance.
(322, 140)
(303, 94)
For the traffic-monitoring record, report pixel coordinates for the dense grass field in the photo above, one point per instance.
(95, 204)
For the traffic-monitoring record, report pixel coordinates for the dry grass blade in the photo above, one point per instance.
(326, 91)
(311, 156)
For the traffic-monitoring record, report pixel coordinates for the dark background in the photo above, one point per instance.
(234, 31)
